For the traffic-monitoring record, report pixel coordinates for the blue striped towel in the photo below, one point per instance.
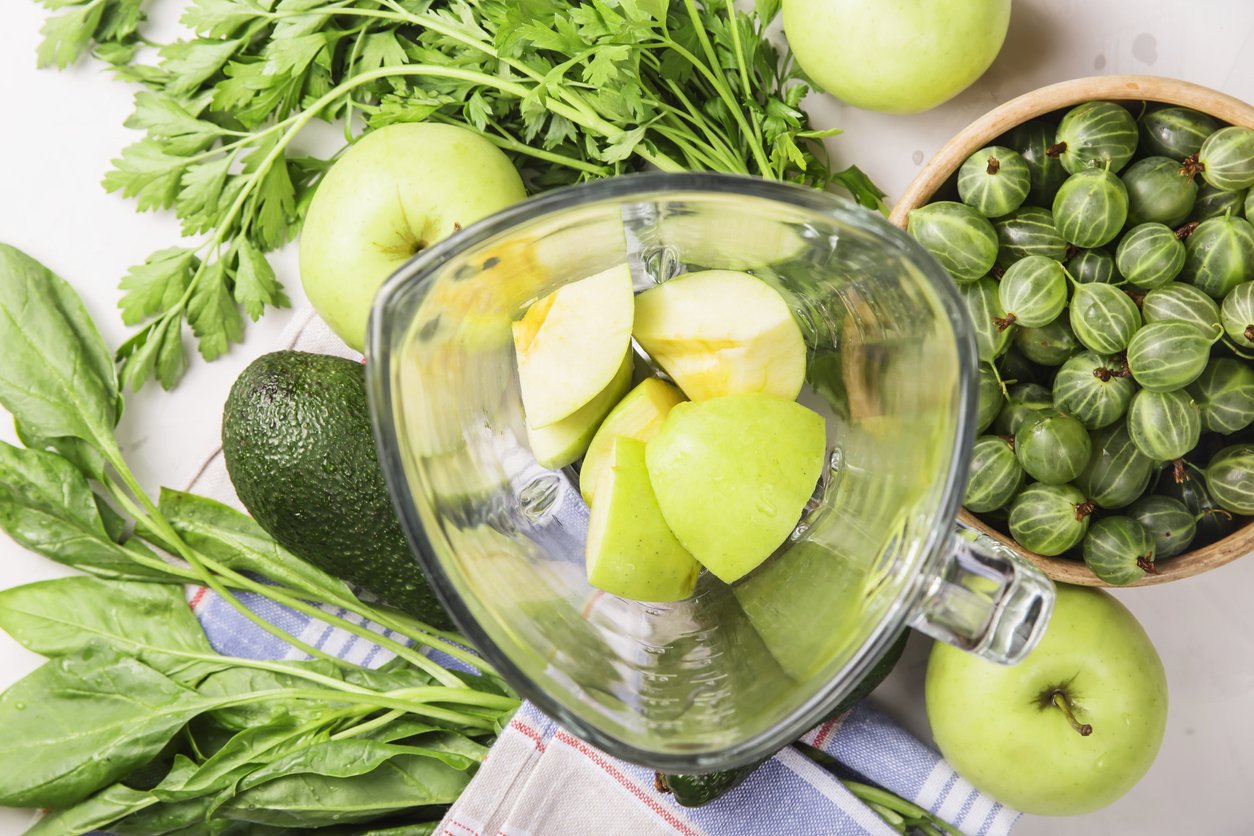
(539, 779)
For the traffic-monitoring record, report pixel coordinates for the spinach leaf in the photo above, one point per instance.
(80, 723)
(309, 800)
(77, 452)
(94, 812)
(47, 506)
(235, 540)
(57, 377)
(347, 758)
(238, 680)
(151, 622)
(243, 753)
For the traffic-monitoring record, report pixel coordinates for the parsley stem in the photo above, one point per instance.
(503, 140)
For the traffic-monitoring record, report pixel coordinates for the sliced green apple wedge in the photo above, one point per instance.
(732, 476)
(559, 444)
(630, 550)
(571, 343)
(721, 332)
(639, 415)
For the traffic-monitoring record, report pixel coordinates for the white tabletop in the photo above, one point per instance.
(61, 130)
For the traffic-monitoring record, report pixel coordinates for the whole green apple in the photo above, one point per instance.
(400, 189)
(898, 56)
(1069, 729)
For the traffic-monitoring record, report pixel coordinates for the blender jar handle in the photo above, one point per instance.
(986, 600)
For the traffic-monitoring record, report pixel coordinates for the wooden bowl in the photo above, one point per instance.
(940, 171)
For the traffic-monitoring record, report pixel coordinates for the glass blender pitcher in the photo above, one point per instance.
(737, 671)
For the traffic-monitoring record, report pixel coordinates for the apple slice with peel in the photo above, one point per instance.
(639, 415)
(732, 476)
(571, 343)
(721, 332)
(630, 550)
(560, 443)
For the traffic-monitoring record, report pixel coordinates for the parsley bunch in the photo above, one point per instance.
(571, 89)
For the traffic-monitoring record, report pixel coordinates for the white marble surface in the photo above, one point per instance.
(61, 129)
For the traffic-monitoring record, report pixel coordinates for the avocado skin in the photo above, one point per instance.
(695, 790)
(298, 446)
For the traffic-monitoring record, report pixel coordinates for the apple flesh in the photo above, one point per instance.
(1069, 729)
(722, 332)
(561, 443)
(732, 476)
(897, 56)
(639, 415)
(630, 550)
(398, 190)
(570, 344)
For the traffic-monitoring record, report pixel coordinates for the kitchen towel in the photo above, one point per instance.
(539, 779)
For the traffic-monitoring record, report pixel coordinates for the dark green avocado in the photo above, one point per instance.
(298, 446)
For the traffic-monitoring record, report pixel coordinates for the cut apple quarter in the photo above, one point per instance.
(570, 344)
(732, 476)
(560, 443)
(630, 550)
(639, 415)
(722, 332)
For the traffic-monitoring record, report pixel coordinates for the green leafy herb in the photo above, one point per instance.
(571, 89)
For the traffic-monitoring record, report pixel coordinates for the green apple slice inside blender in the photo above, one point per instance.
(570, 344)
(639, 415)
(561, 443)
(732, 476)
(630, 550)
(722, 332)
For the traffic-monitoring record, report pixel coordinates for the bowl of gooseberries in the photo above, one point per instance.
(1100, 231)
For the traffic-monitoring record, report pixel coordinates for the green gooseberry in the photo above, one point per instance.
(1164, 425)
(1096, 134)
(1094, 389)
(1215, 203)
(1226, 158)
(1213, 522)
(1117, 472)
(1029, 230)
(1237, 314)
(1168, 521)
(1219, 255)
(1150, 255)
(1179, 302)
(1225, 394)
(1175, 132)
(1023, 400)
(1048, 345)
(1088, 266)
(1165, 356)
(991, 397)
(984, 306)
(1053, 448)
(1033, 140)
(1158, 191)
(1103, 317)
(994, 181)
(960, 238)
(1091, 207)
(1049, 519)
(1119, 550)
(995, 474)
(1033, 291)
(1249, 204)
(1230, 478)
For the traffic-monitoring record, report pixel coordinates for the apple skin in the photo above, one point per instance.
(399, 189)
(570, 344)
(895, 56)
(987, 720)
(630, 550)
(732, 476)
(638, 415)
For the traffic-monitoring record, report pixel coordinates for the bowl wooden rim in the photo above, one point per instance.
(998, 121)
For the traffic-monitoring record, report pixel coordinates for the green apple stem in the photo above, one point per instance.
(1063, 704)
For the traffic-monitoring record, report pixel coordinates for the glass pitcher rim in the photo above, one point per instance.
(423, 267)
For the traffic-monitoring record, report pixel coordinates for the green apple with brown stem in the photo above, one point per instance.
(396, 191)
(1069, 729)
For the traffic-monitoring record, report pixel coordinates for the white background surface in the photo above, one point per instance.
(61, 129)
